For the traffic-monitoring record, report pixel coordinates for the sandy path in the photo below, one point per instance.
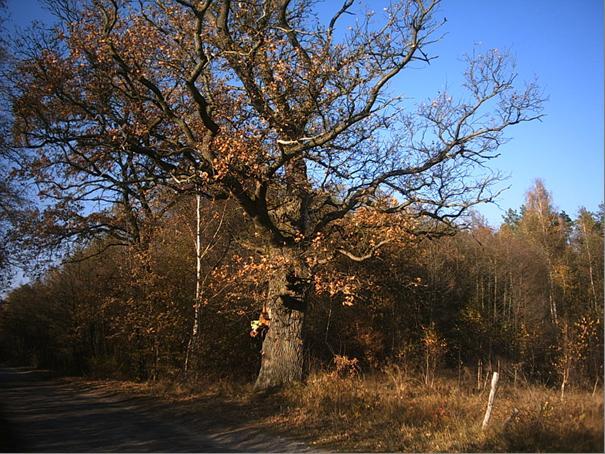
(45, 415)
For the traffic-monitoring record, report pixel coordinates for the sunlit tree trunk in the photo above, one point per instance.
(589, 257)
(282, 354)
(194, 338)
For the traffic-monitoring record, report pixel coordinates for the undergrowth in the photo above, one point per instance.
(395, 412)
(398, 412)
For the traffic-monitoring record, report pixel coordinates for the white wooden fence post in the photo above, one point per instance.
(490, 401)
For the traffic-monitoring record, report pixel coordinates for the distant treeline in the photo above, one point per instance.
(526, 298)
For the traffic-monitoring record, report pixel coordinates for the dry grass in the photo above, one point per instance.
(393, 412)
(175, 390)
(396, 412)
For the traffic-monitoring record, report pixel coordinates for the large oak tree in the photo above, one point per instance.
(286, 112)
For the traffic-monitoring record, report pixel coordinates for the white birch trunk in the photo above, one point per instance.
(198, 279)
(590, 271)
(490, 401)
(198, 263)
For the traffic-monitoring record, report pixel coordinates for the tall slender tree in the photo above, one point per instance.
(589, 244)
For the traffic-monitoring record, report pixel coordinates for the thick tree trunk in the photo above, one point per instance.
(282, 355)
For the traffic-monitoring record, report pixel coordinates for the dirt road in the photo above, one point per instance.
(40, 414)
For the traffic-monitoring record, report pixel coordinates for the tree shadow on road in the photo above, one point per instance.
(74, 415)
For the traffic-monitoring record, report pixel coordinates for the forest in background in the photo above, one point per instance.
(525, 299)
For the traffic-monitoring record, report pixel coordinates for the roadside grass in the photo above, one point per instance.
(394, 411)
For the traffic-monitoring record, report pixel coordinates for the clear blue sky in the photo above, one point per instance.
(558, 41)
(561, 43)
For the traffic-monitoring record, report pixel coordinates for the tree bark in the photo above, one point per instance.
(193, 345)
(590, 270)
(490, 402)
(282, 354)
